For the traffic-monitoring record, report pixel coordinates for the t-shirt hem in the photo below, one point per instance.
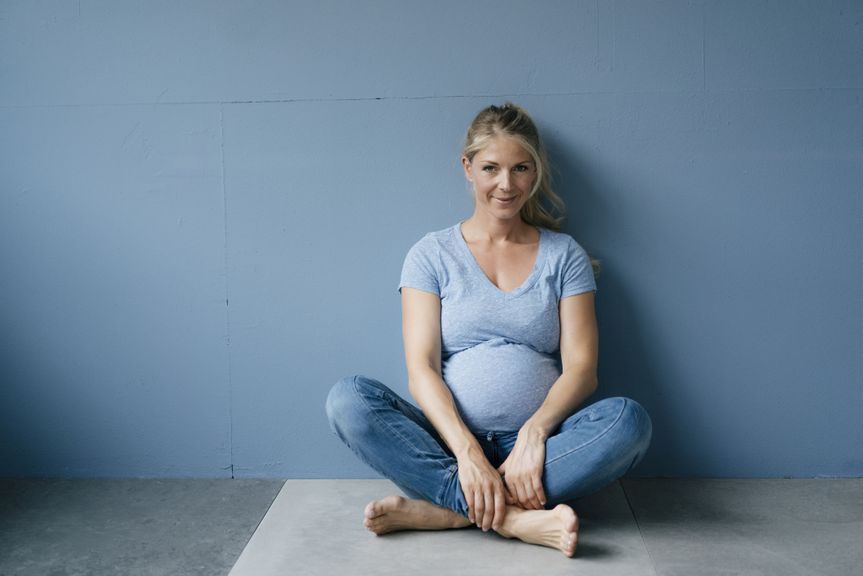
(423, 288)
(577, 291)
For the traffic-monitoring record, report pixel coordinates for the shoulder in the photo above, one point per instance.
(434, 242)
(439, 237)
(569, 263)
(562, 244)
(427, 263)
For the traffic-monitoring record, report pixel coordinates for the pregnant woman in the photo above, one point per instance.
(501, 343)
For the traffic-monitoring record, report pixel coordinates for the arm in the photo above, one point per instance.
(579, 345)
(481, 483)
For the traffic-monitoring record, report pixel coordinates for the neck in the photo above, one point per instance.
(482, 228)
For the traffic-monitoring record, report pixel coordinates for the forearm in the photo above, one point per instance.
(437, 403)
(523, 467)
(481, 484)
(569, 391)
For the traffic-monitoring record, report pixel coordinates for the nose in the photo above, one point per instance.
(504, 182)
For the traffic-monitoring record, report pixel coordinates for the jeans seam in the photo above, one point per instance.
(451, 471)
(386, 424)
(592, 440)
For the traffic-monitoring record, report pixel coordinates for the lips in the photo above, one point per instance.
(505, 200)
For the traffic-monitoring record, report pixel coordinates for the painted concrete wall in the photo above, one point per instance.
(204, 208)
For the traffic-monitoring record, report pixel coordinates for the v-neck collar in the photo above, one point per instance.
(477, 269)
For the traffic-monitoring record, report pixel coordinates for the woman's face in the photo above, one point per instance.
(502, 174)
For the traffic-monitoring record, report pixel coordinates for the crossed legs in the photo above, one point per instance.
(592, 448)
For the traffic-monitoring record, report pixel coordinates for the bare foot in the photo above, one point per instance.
(557, 528)
(395, 513)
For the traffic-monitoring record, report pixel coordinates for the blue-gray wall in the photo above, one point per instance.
(204, 207)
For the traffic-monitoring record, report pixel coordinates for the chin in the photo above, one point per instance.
(507, 215)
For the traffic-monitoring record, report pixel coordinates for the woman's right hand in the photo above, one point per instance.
(481, 483)
(483, 489)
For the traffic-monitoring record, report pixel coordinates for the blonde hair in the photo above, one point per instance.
(543, 207)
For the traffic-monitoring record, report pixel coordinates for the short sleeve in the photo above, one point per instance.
(419, 270)
(577, 273)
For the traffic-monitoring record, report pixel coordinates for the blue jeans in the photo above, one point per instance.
(590, 449)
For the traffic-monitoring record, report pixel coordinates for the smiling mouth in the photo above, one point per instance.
(506, 200)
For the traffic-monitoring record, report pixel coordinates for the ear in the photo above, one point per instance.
(466, 165)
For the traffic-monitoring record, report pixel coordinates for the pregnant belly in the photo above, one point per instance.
(498, 385)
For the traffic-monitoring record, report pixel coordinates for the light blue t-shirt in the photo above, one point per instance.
(500, 350)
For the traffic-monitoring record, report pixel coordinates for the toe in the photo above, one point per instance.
(372, 510)
(567, 543)
(372, 525)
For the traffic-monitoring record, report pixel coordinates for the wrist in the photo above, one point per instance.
(534, 431)
(467, 450)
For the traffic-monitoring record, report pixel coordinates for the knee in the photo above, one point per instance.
(340, 398)
(637, 423)
(629, 422)
(345, 407)
(635, 431)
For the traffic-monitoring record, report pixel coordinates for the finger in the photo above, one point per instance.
(530, 495)
(540, 491)
(503, 482)
(508, 495)
(468, 496)
(479, 507)
(521, 496)
(511, 498)
(488, 518)
(534, 499)
(499, 507)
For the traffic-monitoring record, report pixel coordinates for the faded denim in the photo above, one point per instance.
(593, 447)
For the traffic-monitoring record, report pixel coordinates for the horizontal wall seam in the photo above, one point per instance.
(447, 97)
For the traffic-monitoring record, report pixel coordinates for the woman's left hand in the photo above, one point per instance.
(522, 471)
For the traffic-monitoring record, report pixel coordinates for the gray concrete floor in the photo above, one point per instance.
(656, 527)
(141, 527)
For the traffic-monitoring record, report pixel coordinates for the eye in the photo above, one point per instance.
(488, 168)
(520, 168)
